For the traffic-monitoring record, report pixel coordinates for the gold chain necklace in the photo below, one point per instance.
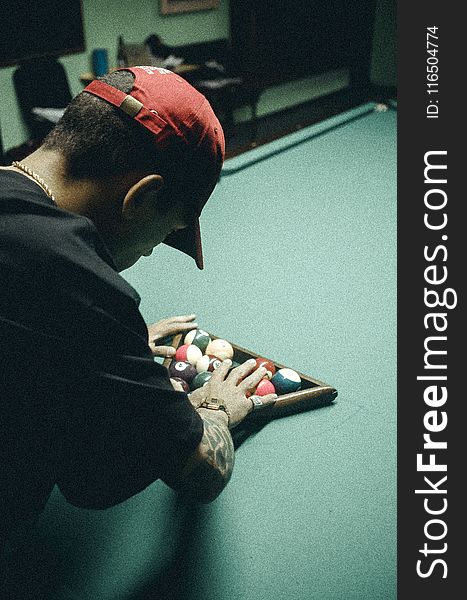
(39, 180)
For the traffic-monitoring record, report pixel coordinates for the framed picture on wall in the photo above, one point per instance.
(169, 7)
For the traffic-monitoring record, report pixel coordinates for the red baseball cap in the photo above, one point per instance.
(172, 109)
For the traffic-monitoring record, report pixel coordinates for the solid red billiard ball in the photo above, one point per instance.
(188, 353)
(264, 388)
(267, 364)
(182, 369)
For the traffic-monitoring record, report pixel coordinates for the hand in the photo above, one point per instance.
(168, 327)
(230, 389)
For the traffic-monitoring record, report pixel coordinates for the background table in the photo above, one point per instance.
(300, 250)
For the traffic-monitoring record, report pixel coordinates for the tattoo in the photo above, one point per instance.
(218, 446)
(209, 477)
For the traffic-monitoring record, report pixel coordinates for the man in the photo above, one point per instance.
(83, 403)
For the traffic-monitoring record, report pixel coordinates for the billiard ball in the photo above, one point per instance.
(202, 363)
(198, 338)
(182, 369)
(183, 383)
(286, 381)
(267, 364)
(214, 363)
(264, 388)
(188, 353)
(200, 379)
(381, 107)
(208, 363)
(220, 348)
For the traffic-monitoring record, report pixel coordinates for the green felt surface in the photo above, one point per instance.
(300, 253)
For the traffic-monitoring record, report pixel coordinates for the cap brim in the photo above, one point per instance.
(188, 241)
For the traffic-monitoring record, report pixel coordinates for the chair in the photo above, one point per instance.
(40, 82)
(135, 54)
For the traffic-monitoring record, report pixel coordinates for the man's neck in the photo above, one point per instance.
(74, 195)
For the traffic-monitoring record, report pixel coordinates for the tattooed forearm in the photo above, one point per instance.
(217, 443)
(209, 470)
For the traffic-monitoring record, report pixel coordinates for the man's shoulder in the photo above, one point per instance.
(42, 240)
(29, 215)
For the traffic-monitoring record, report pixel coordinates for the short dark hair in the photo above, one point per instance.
(98, 140)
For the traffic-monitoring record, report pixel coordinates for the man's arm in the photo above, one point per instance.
(210, 467)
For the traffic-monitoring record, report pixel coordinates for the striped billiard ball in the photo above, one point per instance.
(286, 381)
(198, 338)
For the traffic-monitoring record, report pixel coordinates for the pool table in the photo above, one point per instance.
(300, 250)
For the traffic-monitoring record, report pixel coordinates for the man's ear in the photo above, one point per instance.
(141, 195)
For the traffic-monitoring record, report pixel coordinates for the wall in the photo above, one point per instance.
(105, 20)
(383, 64)
(383, 70)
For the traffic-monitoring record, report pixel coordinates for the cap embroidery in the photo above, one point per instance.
(152, 70)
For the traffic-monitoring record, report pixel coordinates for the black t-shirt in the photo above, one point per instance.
(82, 402)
